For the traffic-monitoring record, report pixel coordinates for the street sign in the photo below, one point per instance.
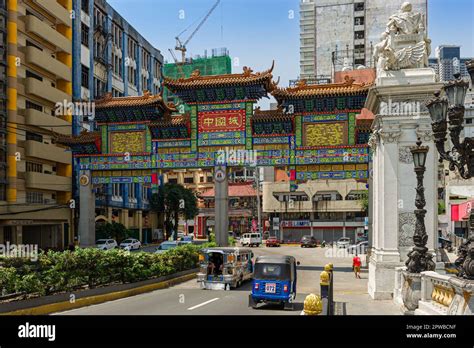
(219, 175)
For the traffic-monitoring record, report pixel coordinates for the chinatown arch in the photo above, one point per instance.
(137, 139)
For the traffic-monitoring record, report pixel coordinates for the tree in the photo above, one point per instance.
(112, 230)
(364, 201)
(174, 201)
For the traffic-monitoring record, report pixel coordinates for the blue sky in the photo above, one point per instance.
(258, 31)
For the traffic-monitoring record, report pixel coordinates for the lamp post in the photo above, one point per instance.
(450, 109)
(419, 260)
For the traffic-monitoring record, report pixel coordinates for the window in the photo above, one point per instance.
(469, 120)
(84, 34)
(31, 105)
(359, 34)
(34, 137)
(33, 75)
(85, 77)
(359, 6)
(34, 167)
(34, 197)
(85, 6)
(29, 43)
(359, 20)
(173, 181)
(99, 88)
(189, 180)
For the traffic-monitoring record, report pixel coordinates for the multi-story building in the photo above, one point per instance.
(35, 182)
(448, 61)
(112, 59)
(341, 33)
(110, 56)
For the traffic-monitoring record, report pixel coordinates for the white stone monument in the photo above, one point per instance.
(403, 83)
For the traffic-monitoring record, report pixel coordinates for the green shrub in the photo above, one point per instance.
(55, 272)
(8, 280)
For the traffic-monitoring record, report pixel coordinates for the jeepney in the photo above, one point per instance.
(224, 268)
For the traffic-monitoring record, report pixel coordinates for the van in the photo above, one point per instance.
(251, 239)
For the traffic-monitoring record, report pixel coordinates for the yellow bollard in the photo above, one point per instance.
(324, 277)
(312, 305)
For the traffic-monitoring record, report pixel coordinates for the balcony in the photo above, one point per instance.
(35, 26)
(35, 118)
(56, 10)
(45, 91)
(48, 63)
(47, 152)
(48, 182)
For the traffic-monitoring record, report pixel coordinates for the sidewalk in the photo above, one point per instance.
(351, 294)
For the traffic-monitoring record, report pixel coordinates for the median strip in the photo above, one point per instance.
(97, 299)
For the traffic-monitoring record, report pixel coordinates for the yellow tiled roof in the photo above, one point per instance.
(146, 99)
(302, 90)
(196, 80)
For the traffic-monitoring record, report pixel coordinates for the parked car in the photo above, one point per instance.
(106, 244)
(308, 242)
(130, 244)
(272, 242)
(251, 239)
(165, 246)
(343, 242)
(359, 248)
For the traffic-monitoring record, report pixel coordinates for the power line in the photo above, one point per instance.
(35, 210)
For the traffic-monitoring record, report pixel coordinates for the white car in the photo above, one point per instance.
(106, 244)
(343, 242)
(130, 244)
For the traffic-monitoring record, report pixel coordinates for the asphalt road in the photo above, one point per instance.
(188, 299)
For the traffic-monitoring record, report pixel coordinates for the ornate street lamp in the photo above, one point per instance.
(419, 260)
(461, 156)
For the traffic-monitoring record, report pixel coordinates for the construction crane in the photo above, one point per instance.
(180, 46)
(181, 71)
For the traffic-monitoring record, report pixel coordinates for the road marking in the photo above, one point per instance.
(203, 304)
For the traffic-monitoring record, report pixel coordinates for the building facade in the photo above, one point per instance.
(36, 173)
(448, 61)
(110, 56)
(335, 34)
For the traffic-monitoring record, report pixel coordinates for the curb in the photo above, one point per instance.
(93, 300)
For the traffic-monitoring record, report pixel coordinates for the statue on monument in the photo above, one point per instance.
(404, 44)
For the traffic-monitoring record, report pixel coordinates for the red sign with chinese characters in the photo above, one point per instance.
(222, 121)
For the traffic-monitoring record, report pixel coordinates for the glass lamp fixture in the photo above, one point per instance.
(438, 108)
(456, 91)
(419, 155)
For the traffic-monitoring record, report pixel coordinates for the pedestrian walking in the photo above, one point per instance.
(356, 263)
